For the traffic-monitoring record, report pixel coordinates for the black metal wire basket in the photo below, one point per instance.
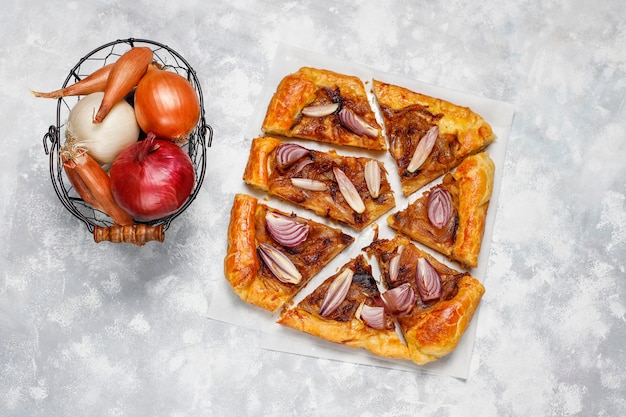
(98, 223)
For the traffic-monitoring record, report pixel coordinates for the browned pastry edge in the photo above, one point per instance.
(242, 267)
(474, 176)
(435, 331)
(296, 91)
(353, 333)
(472, 131)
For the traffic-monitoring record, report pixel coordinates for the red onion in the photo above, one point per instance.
(152, 178)
(428, 281)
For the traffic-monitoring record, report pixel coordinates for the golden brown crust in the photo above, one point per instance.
(354, 333)
(475, 177)
(462, 132)
(256, 172)
(343, 326)
(470, 186)
(437, 331)
(312, 86)
(434, 329)
(241, 264)
(253, 281)
(262, 172)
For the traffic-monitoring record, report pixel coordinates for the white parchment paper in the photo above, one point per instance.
(226, 306)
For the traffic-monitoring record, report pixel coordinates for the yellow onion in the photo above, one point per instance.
(166, 104)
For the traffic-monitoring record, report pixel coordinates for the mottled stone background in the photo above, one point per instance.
(110, 330)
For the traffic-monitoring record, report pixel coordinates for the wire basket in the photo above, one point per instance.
(98, 223)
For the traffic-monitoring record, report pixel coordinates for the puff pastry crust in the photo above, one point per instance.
(262, 171)
(250, 279)
(470, 187)
(343, 326)
(431, 330)
(313, 87)
(408, 115)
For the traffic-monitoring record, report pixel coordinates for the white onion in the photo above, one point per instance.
(102, 141)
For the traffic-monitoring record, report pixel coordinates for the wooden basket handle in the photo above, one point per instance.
(137, 234)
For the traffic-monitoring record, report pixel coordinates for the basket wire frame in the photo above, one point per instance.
(199, 139)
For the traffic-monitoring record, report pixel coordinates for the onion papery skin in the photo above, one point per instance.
(152, 179)
(102, 141)
(166, 104)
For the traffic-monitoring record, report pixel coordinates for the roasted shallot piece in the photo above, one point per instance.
(428, 281)
(439, 207)
(349, 191)
(372, 177)
(289, 153)
(336, 292)
(286, 230)
(356, 124)
(423, 149)
(309, 184)
(400, 300)
(372, 316)
(320, 110)
(279, 264)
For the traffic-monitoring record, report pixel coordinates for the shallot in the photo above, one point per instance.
(93, 83)
(349, 191)
(372, 316)
(400, 300)
(428, 281)
(286, 230)
(279, 264)
(356, 123)
(423, 149)
(124, 76)
(439, 207)
(92, 184)
(289, 153)
(336, 292)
